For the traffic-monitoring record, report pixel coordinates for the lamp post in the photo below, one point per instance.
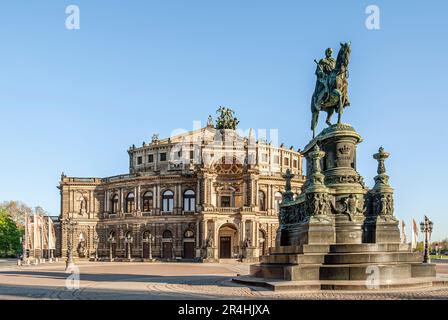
(128, 241)
(96, 241)
(151, 240)
(426, 228)
(70, 225)
(111, 241)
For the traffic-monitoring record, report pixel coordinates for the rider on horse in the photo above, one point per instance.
(323, 70)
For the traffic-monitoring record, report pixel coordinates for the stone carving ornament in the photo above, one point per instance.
(352, 206)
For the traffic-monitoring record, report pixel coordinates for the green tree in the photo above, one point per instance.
(9, 234)
(17, 210)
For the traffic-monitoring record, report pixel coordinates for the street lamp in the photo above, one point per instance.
(96, 241)
(426, 228)
(151, 240)
(111, 241)
(128, 241)
(70, 225)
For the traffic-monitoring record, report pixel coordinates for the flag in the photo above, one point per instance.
(414, 234)
(403, 232)
(51, 234)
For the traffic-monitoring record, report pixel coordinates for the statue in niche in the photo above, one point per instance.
(83, 205)
(209, 242)
(247, 243)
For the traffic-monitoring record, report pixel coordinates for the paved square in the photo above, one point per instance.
(118, 280)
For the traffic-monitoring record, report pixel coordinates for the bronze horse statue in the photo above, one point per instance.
(330, 93)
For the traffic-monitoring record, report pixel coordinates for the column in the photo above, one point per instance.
(198, 193)
(157, 195)
(198, 243)
(154, 198)
(197, 234)
(139, 209)
(91, 207)
(206, 192)
(204, 231)
(254, 233)
(136, 199)
(106, 199)
(121, 201)
(256, 193)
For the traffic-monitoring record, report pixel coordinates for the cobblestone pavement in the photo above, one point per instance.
(106, 280)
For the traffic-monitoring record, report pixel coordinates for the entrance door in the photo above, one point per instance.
(167, 250)
(224, 248)
(145, 250)
(188, 250)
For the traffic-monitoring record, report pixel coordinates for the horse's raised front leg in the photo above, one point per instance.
(341, 110)
(314, 119)
(330, 112)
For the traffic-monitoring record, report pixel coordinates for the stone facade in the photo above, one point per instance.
(207, 194)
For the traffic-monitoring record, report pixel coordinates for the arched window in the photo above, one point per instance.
(278, 200)
(261, 201)
(130, 202)
(167, 234)
(167, 201)
(114, 204)
(147, 201)
(146, 235)
(189, 200)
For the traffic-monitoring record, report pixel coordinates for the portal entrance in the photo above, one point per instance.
(225, 247)
(228, 241)
(167, 250)
(145, 250)
(188, 250)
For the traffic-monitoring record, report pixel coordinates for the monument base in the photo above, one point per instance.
(338, 234)
(348, 266)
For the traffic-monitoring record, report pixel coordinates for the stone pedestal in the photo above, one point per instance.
(337, 231)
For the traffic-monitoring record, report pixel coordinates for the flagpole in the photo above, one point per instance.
(25, 239)
(34, 235)
(41, 220)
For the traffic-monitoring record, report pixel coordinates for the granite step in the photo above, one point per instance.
(371, 257)
(316, 285)
(312, 258)
(306, 248)
(366, 271)
(364, 247)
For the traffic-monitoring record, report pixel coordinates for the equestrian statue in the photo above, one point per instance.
(330, 94)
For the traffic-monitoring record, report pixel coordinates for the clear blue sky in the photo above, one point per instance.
(74, 101)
